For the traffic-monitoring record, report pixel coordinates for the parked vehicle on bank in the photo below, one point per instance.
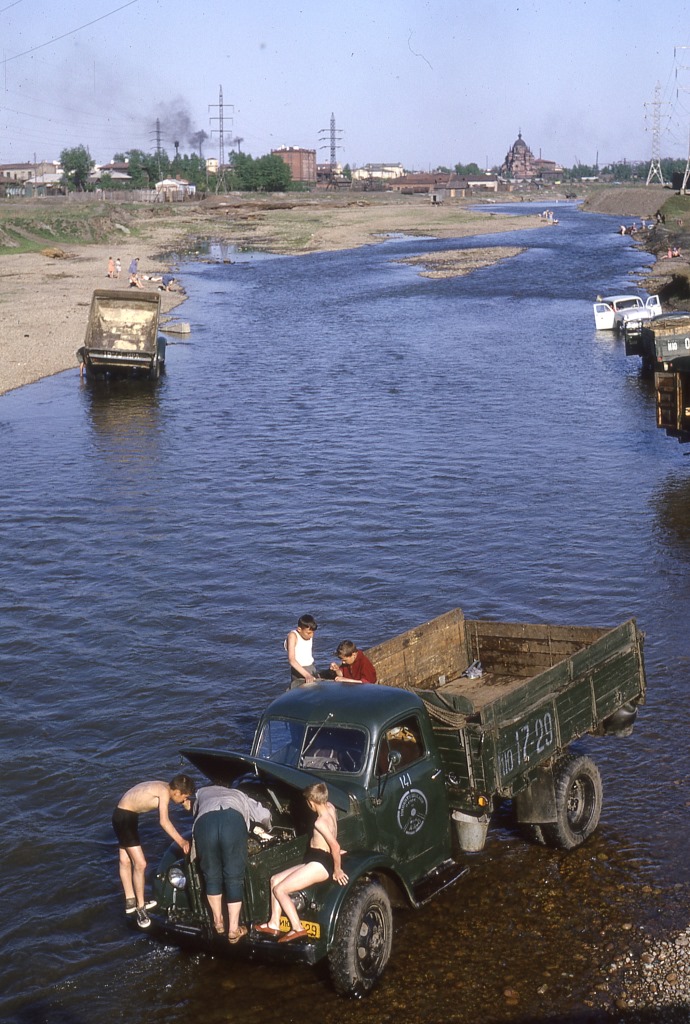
(468, 714)
(616, 312)
(122, 337)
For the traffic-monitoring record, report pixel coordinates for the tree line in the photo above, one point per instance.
(245, 173)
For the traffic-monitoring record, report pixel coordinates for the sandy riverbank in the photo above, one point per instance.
(44, 308)
(44, 301)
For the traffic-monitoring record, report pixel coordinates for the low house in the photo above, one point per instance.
(49, 184)
(378, 172)
(173, 189)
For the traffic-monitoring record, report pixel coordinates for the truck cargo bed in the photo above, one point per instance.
(541, 687)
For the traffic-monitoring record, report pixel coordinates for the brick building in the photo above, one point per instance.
(302, 162)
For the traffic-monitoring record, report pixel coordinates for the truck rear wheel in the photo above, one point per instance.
(362, 940)
(579, 799)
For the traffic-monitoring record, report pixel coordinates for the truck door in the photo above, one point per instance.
(412, 815)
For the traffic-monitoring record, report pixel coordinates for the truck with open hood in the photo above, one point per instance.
(467, 714)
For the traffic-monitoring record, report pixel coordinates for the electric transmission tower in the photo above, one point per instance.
(335, 137)
(655, 166)
(220, 132)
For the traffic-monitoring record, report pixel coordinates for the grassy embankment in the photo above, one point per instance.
(285, 224)
(31, 226)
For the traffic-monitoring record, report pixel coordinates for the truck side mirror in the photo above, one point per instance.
(394, 759)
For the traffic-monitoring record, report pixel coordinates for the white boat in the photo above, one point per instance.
(615, 312)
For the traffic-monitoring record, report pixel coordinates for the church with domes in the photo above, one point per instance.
(521, 164)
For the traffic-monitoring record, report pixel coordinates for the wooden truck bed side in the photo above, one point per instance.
(543, 686)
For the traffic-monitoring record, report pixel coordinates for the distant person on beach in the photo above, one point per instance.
(134, 281)
(322, 862)
(118, 268)
(298, 644)
(355, 667)
(167, 282)
(147, 796)
(111, 267)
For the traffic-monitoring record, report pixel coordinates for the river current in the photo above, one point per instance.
(343, 437)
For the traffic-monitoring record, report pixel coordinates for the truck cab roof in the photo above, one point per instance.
(361, 705)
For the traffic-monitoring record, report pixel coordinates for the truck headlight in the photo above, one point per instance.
(177, 878)
(300, 901)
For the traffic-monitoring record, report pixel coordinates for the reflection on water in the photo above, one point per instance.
(672, 509)
(343, 437)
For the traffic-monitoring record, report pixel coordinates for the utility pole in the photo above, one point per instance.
(157, 135)
(335, 137)
(655, 166)
(220, 132)
(686, 172)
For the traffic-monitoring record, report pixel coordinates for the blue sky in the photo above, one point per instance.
(412, 82)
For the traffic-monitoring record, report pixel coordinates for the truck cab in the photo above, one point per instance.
(377, 742)
(375, 749)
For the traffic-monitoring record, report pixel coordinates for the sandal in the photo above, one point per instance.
(236, 936)
(219, 929)
(265, 929)
(291, 936)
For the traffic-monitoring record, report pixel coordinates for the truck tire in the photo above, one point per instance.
(579, 799)
(362, 940)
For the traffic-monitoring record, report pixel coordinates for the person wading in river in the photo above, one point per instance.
(147, 796)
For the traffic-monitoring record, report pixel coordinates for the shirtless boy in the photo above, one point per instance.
(321, 862)
(147, 796)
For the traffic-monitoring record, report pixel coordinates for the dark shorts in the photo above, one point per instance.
(126, 827)
(323, 857)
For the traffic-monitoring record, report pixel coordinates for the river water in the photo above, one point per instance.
(342, 437)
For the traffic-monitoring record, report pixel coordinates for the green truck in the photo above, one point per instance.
(466, 714)
(122, 338)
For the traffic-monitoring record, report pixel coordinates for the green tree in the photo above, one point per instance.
(462, 170)
(265, 174)
(76, 167)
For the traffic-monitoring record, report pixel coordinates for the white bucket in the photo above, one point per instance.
(471, 831)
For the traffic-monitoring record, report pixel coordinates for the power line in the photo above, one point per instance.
(71, 32)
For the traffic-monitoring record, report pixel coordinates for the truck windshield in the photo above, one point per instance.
(321, 748)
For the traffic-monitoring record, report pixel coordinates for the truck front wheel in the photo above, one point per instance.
(362, 940)
(579, 799)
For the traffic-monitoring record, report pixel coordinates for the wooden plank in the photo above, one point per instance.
(418, 658)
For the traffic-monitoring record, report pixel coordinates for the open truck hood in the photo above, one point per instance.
(224, 768)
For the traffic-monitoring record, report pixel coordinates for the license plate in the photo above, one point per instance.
(313, 928)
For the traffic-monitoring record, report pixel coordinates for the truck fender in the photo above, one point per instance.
(358, 866)
(537, 803)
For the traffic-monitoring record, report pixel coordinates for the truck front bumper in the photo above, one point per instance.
(253, 947)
